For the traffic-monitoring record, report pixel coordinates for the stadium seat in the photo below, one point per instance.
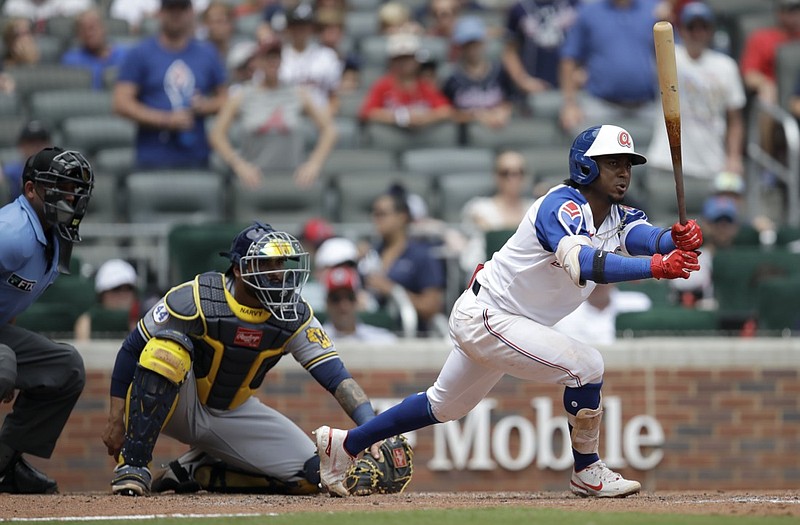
(547, 162)
(396, 139)
(57, 105)
(118, 161)
(96, 132)
(739, 271)
(437, 161)
(495, 239)
(787, 67)
(519, 133)
(277, 201)
(10, 104)
(50, 49)
(350, 103)
(194, 248)
(355, 192)
(360, 24)
(778, 305)
(359, 160)
(455, 189)
(60, 305)
(672, 321)
(657, 290)
(62, 27)
(48, 77)
(108, 324)
(546, 105)
(247, 25)
(662, 204)
(175, 196)
(10, 127)
(347, 133)
(373, 49)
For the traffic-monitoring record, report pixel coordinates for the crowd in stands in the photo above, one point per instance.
(307, 92)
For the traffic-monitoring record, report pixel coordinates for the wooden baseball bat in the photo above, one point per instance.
(664, 39)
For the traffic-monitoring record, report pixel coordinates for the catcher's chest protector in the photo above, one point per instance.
(234, 355)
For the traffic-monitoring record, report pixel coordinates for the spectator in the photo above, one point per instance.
(442, 19)
(93, 51)
(20, 45)
(39, 11)
(720, 224)
(240, 64)
(619, 85)
(167, 85)
(711, 100)
(758, 58)
(34, 137)
(315, 232)
(400, 97)
(536, 30)
(394, 17)
(341, 307)
(270, 116)
(502, 211)
(398, 260)
(218, 26)
(595, 321)
(337, 252)
(479, 89)
(116, 286)
(731, 185)
(136, 11)
(306, 63)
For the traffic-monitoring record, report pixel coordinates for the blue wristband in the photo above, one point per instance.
(363, 413)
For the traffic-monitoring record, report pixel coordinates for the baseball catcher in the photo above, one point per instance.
(191, 366)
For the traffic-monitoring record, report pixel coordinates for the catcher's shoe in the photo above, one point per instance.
(334, 460)
(599, 481)
(131, 481)
(179, 474)
(20, 477)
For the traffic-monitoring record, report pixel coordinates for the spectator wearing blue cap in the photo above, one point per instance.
(712, 99)
(479, 89)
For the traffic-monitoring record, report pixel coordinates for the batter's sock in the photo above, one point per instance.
(414, 412)
(587, 396)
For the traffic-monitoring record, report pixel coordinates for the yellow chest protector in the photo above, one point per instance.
(239, 346)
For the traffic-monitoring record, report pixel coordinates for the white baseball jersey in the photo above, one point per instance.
(316, 67)
(524, 277)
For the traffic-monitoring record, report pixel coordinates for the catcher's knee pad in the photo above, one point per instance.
(585, 433)
(8, 371)
(163, 366)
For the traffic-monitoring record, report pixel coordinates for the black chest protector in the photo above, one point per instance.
(234, 355)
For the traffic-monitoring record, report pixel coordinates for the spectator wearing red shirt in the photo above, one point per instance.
(760, 51)
(400, 97)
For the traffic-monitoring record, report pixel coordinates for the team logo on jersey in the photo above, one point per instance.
(318, 336)
(160, 313)
(248, 337)
(570, 216)
(624, 139)
(21, 284)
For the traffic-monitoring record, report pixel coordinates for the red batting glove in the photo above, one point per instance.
(674, 265)
(687, 237)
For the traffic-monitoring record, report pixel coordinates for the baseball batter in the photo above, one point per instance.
(191, 366)
(576, 235)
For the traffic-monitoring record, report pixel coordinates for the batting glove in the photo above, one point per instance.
(677, 264)
(687, 237)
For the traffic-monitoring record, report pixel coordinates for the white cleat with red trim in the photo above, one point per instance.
(599, 481)
(334, 460)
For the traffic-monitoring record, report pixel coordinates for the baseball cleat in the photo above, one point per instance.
(334, 460)
(599, 481)
(131, 481)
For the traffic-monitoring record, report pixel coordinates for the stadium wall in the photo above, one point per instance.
(697, 414)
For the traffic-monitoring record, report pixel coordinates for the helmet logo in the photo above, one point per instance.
(624, 139)
(277, 248)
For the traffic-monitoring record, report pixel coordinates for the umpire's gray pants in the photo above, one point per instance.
(50, 378)
(252, 436)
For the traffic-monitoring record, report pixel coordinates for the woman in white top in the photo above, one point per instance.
(501, 211)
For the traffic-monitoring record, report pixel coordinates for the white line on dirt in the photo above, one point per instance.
(140, 517)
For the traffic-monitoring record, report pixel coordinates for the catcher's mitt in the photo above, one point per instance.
(388, 475)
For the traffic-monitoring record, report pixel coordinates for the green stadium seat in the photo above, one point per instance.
(109, 323)
(778, 305)
(194, 248)
(657, 290)
(495, 240)
(672, 321)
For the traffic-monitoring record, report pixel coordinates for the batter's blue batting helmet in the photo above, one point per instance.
(597, 141)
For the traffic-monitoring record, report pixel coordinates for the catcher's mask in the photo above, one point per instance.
(276, 267)
(64, 181)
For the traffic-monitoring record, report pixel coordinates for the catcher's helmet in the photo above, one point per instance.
(597, 141)
(276, 267)
(67, 180)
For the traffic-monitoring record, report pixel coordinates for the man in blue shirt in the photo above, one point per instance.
(612, 41)
(36, 235)
(94, 51)
(168, 84)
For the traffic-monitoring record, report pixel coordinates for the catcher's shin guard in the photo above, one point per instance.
(163, 366)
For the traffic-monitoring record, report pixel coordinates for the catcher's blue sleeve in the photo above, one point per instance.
(125, 365)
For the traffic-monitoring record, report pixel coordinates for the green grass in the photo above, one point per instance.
(494, 516)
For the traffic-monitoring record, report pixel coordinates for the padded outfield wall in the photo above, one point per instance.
(679, 414)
